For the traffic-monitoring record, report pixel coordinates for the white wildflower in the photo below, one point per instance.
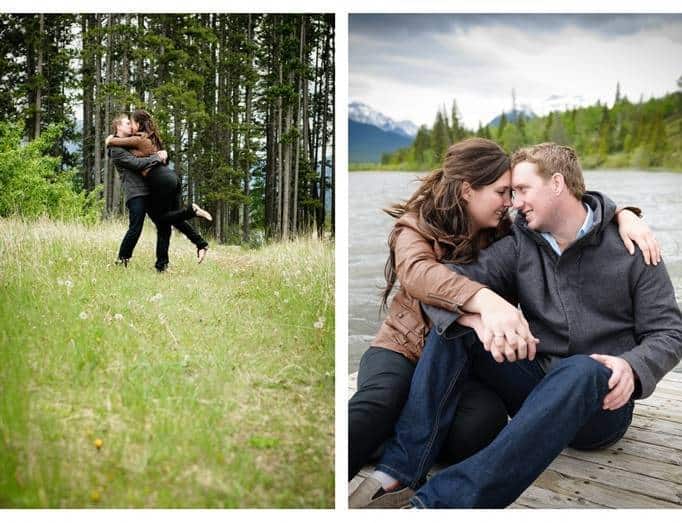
(319, 323)
(83, 315)
(156, 297)
(118, 316)
(68, 283)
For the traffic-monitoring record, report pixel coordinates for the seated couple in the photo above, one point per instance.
(150, 187)
(584, 329)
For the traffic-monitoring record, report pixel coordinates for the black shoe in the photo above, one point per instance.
(161, 268)
(123, 261)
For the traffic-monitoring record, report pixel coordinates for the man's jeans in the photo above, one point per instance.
(550, 411)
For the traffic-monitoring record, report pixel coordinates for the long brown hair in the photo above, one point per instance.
(146, 125)
(440, 208)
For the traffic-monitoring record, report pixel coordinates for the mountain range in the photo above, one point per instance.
(371, 134)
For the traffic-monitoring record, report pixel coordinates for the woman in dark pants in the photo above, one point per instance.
(436, 225)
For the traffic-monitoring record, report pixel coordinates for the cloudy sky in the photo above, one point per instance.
(406, 66)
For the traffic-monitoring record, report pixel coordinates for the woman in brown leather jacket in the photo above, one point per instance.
(457, 210)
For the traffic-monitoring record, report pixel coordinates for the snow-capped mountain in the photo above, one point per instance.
(525, 110)
(363, 113)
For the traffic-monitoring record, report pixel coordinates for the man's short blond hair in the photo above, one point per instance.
(118, 119)
(552, 158)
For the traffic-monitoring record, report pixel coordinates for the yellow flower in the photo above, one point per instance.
(98, 443)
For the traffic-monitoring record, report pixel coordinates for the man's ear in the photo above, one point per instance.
(558, 183)
(466, 191)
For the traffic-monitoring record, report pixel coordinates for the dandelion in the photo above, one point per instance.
(319, 323)
(156, 297)
(68, 283)
(83, 315)
(118, 316)
(98, 443)
(277, 293)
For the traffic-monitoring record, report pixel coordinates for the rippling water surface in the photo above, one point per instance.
(659, 195)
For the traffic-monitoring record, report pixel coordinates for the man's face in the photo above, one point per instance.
(533, 197)
(124, 129)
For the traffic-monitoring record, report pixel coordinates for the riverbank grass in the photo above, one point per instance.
(211, 385)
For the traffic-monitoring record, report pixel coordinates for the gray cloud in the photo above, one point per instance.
(399, 26)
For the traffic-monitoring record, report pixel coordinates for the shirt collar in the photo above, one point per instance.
(584, 229)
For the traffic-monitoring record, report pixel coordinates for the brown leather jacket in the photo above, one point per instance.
(423, 278)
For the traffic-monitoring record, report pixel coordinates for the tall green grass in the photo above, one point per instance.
(211, 385)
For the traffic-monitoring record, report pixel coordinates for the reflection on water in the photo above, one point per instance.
(659, 195)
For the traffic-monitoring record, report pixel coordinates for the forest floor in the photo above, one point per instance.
(210, 385)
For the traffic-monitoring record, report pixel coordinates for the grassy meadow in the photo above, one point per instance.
(210, 385)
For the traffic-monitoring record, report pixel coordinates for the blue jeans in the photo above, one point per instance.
(550, 411)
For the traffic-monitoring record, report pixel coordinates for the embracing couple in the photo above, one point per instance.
(150, 187)
(548, 320)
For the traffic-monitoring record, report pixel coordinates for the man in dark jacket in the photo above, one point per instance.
(609, 329)
(136, 192)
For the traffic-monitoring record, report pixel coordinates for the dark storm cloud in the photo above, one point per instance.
(398, 26)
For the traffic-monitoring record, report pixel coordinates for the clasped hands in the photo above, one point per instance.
(505, 333)
(500, 326)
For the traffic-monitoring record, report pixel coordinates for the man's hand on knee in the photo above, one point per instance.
(621, 383)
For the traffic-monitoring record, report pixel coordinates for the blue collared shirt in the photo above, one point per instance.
(587, 225)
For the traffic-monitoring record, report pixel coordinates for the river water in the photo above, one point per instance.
(658, 194)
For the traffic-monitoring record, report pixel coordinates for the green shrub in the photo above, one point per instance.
(32, 183)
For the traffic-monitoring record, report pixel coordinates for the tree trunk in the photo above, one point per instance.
(39, 75)
(286, 181)
(140, 62)
(246, 224)
(323, 151)
(108, 168)
(96, 149)
(86, 71)
(297, 150)
(279, 146)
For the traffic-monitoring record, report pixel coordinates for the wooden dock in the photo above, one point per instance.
(642, 470)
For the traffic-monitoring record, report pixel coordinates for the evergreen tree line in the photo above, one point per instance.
(244, 103)
(646, 134)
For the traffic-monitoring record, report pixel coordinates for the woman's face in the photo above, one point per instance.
(487, 205)
(135, 126)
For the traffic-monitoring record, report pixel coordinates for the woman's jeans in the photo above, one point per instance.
(550, 410)
(383, 386)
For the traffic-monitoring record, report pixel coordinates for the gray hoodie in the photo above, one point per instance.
(594, 298)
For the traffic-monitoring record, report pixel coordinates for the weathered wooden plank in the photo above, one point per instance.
(659, 414)
(658, 425)
(645, 449)
(655, 438)
(537, 497)
(664, 405)
(627, 481)
(673, 376)
(590, 491)
(669, 388)
(630, 463)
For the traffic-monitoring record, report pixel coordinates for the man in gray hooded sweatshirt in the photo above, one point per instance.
(609, 329)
